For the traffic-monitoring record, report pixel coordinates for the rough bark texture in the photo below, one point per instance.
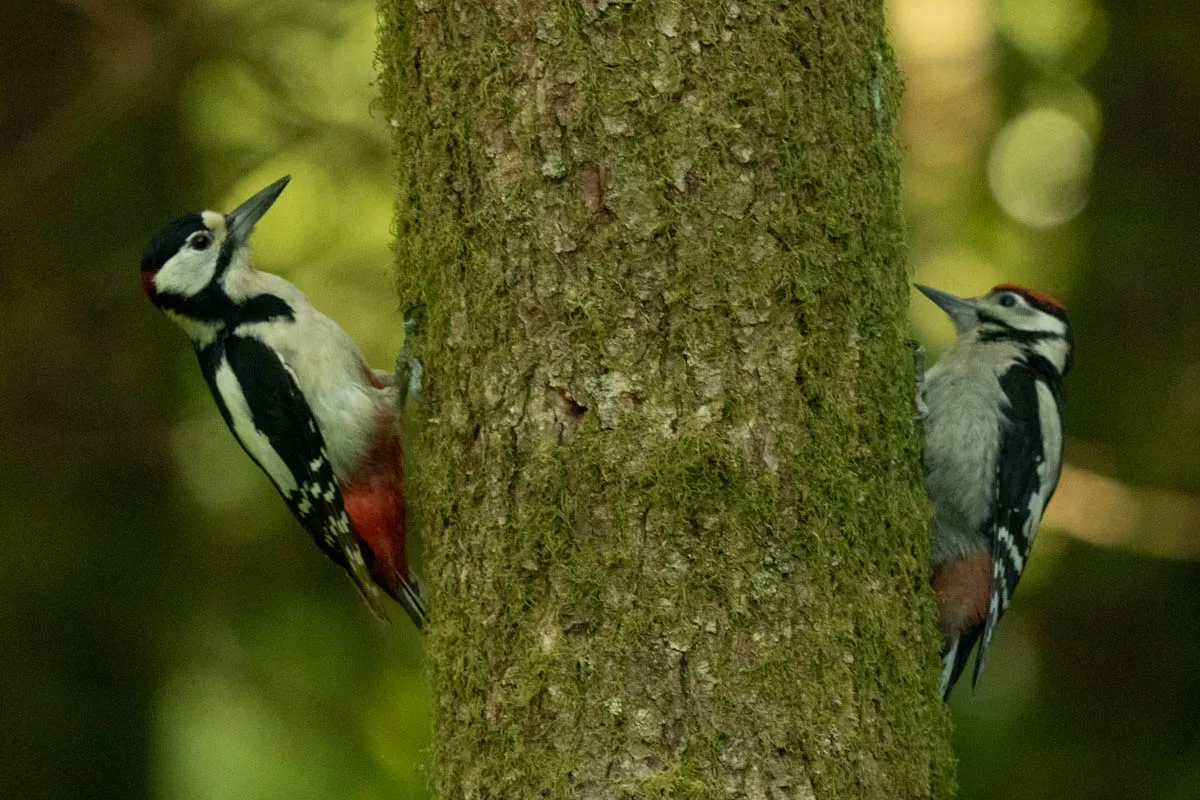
(669, 487)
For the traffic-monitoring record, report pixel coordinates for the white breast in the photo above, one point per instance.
(962, 438)
(332, 374)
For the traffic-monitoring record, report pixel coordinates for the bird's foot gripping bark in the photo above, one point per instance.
(409, 371)
(918, 353)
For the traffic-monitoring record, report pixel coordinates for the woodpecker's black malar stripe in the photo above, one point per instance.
(999, 331)
(211, 304)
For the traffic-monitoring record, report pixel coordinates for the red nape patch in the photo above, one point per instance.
(148, 282)
(963, 587)
(1039, 298)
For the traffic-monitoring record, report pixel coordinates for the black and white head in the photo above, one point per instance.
(1033, 321)
(191, 264)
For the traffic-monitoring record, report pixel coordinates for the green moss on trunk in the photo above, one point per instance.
(670, 488)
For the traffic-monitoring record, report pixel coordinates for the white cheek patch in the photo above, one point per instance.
(1044, 323)
(256, 443)
(187, 272)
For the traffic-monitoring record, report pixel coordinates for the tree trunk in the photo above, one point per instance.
(669, 485)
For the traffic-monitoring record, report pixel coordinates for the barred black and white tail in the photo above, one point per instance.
(408, 594)
(954, 660)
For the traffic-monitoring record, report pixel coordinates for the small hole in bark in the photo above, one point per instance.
(575, 409)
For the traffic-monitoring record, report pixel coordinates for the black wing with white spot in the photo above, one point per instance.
(1022, 488)
(261, 402)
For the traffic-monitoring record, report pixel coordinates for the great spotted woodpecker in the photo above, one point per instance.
(296, 392)
(993, 455)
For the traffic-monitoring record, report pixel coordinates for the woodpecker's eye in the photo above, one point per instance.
(1007, 300)
(200, 241)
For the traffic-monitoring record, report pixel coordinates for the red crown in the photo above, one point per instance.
(1036, 297)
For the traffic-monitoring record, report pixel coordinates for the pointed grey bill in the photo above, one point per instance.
(240, 222)
(960, 309)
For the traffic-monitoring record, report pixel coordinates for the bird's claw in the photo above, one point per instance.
(410, 373)
(919, 372)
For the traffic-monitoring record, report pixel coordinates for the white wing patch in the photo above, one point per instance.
(1049, 467)
(1052, 436)
(256, 443)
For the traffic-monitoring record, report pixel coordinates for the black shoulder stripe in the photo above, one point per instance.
(1017, 475)
(1018, 386)
(264, 308)
(169, 238)
(281, 415)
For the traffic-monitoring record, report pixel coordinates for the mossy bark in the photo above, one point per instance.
(669, 485)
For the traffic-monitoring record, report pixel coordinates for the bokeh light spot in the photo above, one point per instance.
(939, 30)
(1045, 28)
(1039, 167)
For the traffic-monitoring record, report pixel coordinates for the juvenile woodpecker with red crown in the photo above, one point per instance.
(993, 455)
(295, 390)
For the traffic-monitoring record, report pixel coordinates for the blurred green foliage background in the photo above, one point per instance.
(167, 631)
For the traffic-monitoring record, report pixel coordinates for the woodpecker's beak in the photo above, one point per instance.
(240, 222)
(960, 309)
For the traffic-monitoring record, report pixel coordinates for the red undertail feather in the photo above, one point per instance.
(374, 499)
(963, 587)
